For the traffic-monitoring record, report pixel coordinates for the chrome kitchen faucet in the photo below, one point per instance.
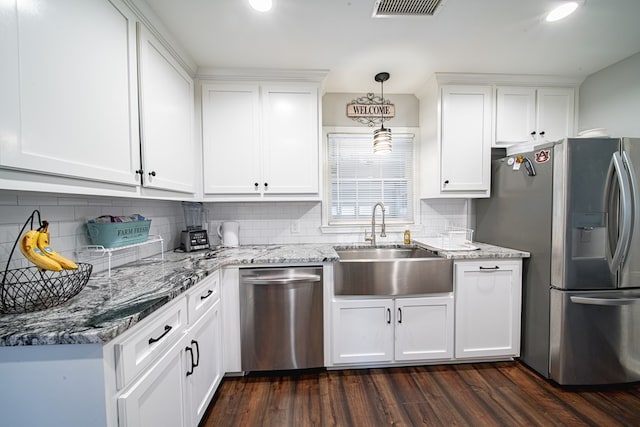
(372, 238)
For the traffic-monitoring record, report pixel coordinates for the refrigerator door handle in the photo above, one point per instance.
(616, 166)
(604, 301)
(635, 208)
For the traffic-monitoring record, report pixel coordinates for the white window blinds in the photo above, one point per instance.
(358, 179)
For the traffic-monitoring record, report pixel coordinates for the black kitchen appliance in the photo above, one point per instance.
(195, 237)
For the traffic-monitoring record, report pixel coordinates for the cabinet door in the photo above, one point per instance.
(157, 398)
(68, 80)
(231, 139)
(515, 114)
(291, 137)
(465, 139)
(205, 342)
(556, 113)
(487, 308)
(166, 113)
(424, 328)
(362, 331)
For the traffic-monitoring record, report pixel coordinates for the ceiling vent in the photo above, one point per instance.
(389, 8)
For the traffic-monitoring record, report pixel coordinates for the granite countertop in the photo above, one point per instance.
(483, 251)
(108, 306)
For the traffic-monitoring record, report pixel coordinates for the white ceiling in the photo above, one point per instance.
(475, 36)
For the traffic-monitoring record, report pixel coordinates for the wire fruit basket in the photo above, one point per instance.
(29, 289)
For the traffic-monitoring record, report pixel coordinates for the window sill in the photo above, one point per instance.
(360, 229)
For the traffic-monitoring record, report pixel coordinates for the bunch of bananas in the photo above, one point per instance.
(34, 245)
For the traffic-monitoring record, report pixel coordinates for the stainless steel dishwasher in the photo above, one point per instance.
(281, 318)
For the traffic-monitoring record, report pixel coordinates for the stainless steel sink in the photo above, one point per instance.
(391, 271)
(366, 254)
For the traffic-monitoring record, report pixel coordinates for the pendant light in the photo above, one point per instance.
(382, 136)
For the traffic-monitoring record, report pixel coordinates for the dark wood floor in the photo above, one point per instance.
(487, 394)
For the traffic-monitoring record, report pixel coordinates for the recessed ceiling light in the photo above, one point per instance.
(562, 11)
(261, 5)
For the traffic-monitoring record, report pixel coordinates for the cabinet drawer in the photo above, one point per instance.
(151, 340)
(203, 296)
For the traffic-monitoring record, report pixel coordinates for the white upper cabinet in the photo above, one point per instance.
(466, 139)
(166, 114)
(231, 138)
(69, 101)
(455, 122)
(260, 141)
(527, 114)
(462, 116)
(515, 114)
(290, 154)
(555, 111)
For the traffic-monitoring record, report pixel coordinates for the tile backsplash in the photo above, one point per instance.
(273, 222)
(260, 222)
(67, 216)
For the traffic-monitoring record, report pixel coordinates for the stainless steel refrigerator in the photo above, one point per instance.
(575, 206)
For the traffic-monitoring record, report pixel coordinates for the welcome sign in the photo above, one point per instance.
(369, 109)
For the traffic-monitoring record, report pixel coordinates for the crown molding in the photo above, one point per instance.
(253, 74)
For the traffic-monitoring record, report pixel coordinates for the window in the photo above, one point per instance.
(358, 179)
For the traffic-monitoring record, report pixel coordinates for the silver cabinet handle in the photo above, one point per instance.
(604, 301)
(280, 280)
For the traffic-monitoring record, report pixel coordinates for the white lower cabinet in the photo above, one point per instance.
(488, 297)
(175, 385)
(378, 330)
(424, 328)
(204, 363)
(362, 331)
(158, 397)
(177, 389)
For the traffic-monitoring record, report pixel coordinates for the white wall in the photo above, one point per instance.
(610, 99)
(67, 216)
